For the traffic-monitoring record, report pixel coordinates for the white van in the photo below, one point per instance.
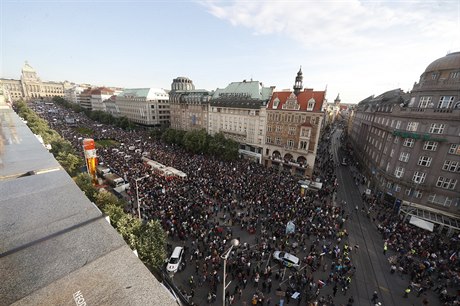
(175, 260)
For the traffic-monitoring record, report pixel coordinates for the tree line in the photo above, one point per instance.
(200, 142)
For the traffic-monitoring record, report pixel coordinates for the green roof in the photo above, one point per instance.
(136, 92)
(245, 89)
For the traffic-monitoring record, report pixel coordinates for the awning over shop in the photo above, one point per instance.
(421, 223)
(431, 215)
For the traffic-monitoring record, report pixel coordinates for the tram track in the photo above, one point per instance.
(358, 229)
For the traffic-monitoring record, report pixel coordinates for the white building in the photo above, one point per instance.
(71, 94)
(238, 111)
(98, 96)
(146, 106)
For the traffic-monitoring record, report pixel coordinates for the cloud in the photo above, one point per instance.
(349, 23)
(355, 47)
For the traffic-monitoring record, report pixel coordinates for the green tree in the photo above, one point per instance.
(84, 181)
(61, 145)
(105, 198)
(157, 132)
(69, 162)
(196, 141)
(124, 123)
(114, 212)
(152, 244)
(230, 150)
(128, 227)
(216, 144)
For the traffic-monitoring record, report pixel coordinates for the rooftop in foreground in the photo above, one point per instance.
(56, 248)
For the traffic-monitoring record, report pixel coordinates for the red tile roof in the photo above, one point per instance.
(102, 91)
(303, 98)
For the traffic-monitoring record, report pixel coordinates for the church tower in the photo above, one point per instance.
(298, 82)
(337, 100)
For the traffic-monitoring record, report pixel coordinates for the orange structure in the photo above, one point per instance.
(89, 149)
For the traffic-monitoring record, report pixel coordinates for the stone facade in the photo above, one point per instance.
(238, 111)
(31, 87)
(98, 98)
(188, 106)
(409, 142)
(294, 123)
(71, 94)
(145, 106)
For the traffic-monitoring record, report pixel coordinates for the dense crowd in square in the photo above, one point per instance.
(202, 212)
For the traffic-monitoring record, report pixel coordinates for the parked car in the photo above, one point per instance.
(174, 261)
(286, 259)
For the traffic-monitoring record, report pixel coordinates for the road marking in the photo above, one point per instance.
(384, 289)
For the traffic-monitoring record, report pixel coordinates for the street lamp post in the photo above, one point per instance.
(137, 195)
(224, 256)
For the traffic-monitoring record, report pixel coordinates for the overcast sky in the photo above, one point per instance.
(355, 48)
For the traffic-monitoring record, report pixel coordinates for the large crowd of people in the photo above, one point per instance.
(219, 201)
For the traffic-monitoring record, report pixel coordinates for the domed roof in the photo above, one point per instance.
(182, 83)
(448, 62)
(182, 79)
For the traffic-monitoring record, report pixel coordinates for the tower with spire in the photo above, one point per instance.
(298, 82)
(337, 100)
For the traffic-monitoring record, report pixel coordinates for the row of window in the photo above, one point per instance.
(419, 178)
(427, 102)
(293, 118)
(413, 192)
(453, 75)
(303, 145)
(234, 111)
(304, 131)
(409, 142)
(434, 128)
(425, 161)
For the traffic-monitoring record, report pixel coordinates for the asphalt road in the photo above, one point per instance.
(373, 268)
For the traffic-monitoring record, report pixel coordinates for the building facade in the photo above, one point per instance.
(188, 106)
(238, 111)
(30, 86)
(99, 96)
(409, 143)
(294, 122)
(332, 111)
(71, 94)
(84, 98)
(145, 106)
